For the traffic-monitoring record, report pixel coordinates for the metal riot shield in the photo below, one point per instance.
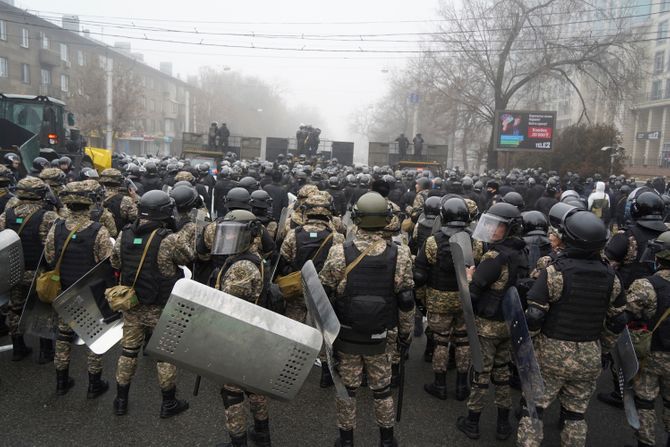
(292, 198)
(84, 308)
(532, 384)
(533, 256)
(11, 260)
(461, 253)
(347, 221)
(319, 307)
(626, 365)
(38, 318)
(230, 340)
(281, 225)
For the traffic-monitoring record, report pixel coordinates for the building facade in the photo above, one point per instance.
(38, 57)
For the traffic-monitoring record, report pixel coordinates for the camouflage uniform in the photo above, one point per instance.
(569, 369)
(106, 218)
(25, 205)
(295, 307)
(378, 367)
(102, 250)
(174, 250)
(112, 179)
(654, 374)
(445, 315)
(243, 280)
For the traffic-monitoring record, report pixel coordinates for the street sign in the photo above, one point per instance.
(653, 135)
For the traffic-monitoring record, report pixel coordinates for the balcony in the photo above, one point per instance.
(49, 58)
(50, 90)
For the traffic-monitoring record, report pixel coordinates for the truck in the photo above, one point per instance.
(37, 126)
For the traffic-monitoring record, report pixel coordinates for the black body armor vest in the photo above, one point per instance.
(151, 286)
(78, 257)
(307, 244)
(30, 236)
(660, 341)
(579, 315)
(113, 204)
(443, 274)
(489, 305)
(637, 270)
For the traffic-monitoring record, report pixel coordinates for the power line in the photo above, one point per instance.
(354, 22)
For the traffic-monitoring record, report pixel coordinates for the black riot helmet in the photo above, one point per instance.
(534, 223)
(334, 182)
(514, 198)
(151, 168)
(88, 174)
(498, 223)
(249, 183)
(39, 163)
(238, 198)
(185, 197)
(424, 183)
(260, 199)
(431, 207)
(646, 208)
(583, 231)
(454, 212)
(156, 205)
(9, 159)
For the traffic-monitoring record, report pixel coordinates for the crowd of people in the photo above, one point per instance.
(589, 257)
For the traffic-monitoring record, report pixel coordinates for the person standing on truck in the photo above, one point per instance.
(403, 144)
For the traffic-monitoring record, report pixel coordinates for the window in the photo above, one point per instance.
(659, 62)
(25, 73)
(25, 38)
(64, 83)
(80, 58)
(667, 88)
(665, 5)
(656, 90)
(45, 76)
(152, 105)
(662, 32)
(63, 52)
(3, 30)
(45, 40)
(4, 68)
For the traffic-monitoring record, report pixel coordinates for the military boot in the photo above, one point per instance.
(386, 438)
(503, 428)
(260, 433)
(19, 348)
(172, 406)
(395, 375)
(326, 378)
(121, 400)
(96, 386)
(63, 381)
(469, 425)
(346, 439)
(439, 387)
(614, 398)
(46, 351)
(430, 348)
(462, 389)
(451, 363)
(418, 324)
(235, 441)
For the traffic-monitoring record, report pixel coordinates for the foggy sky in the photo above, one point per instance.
(335, 85)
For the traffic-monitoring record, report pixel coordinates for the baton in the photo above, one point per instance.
(401, 384)
(196, 386)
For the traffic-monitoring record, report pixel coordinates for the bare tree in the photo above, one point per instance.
(494, 50)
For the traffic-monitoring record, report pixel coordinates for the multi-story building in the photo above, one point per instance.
(38, 57)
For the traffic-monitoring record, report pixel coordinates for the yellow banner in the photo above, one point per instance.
(102, 158)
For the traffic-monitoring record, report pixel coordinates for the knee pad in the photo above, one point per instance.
(572, 415)
(130, 352)
(539, 410)
(381, 394)
(67, 337)
(351, 391)
(231, 398)
(644, 404)
(459, 334)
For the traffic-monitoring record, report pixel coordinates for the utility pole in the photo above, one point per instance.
(110, 117)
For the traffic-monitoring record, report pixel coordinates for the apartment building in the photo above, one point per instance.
(38, 57)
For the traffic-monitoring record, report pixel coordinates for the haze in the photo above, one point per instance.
(335, 83)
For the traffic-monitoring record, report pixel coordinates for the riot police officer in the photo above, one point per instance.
(242, 275)
(31, 220)
(370, 280)
(573, 302)
(77, 243)
(118, 200)
(149, 238)
(6, 180)
(500, 228)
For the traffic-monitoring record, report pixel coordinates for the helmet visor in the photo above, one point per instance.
(490, 229)
(231, 238)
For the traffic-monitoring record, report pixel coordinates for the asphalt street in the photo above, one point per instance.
(32, 415)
